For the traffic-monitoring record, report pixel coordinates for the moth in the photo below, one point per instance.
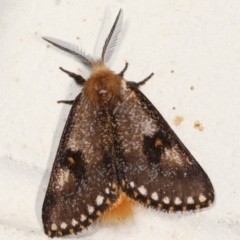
(116, 148)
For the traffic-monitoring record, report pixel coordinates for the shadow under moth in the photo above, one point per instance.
(116, 148)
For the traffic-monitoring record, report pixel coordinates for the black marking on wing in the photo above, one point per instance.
(153, 147)
(74, 162)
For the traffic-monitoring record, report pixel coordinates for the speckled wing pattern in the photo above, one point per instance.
(83, 182)
(126, 145)
(154, 166)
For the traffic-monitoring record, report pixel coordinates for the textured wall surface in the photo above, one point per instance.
(193, 47)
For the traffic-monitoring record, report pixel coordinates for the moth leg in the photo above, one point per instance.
(78, 78)
(138, 84)
(66, 101)
(124, 70)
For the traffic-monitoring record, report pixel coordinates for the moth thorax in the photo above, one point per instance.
(103, 87)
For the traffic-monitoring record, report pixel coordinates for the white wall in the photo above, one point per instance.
(185, 43)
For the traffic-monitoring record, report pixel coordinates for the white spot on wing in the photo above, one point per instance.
(74, 222)
(107, 190)
(63, 177)
(142, 190)
(173, 155)
(177, 201)
(202, 198)
(190, 200)
(132, 184)
(99, 200)
(63, 225)
(54, 227)
(148, 128)
(83, 218)
(90, 209)
(154, 196)
(166, 200)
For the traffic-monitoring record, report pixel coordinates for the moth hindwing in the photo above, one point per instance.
(116, 145)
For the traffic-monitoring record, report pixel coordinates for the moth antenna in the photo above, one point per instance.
(112, 38)
(72, 49)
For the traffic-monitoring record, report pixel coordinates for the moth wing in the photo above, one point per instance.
(155, 167)
(83, 181)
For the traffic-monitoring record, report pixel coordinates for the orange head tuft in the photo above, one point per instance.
(103, 86)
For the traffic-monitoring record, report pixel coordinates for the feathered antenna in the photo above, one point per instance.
(80, 54)
(72, 49)
(112, 38)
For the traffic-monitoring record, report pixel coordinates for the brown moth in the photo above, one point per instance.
(116, 148)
